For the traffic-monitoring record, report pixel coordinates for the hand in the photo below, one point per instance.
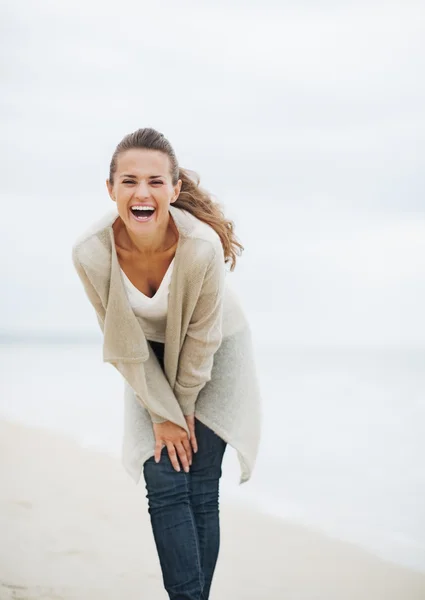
(190, 420)
(176, 440)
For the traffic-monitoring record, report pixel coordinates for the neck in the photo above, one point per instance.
(158, 241)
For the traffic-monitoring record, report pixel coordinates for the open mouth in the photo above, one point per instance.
(142, 213)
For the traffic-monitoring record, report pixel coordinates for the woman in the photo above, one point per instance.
(154, 270)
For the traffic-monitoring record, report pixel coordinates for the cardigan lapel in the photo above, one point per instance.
(184, 223)
(123, 336)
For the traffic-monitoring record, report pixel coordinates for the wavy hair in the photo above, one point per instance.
(192, 197)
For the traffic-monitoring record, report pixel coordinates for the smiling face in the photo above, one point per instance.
(142, 179)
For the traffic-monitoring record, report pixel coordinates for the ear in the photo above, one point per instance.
(110, 190)
(177, 189)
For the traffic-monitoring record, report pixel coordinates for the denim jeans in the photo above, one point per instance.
(184, 512)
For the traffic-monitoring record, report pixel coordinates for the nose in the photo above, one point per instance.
(142, 190)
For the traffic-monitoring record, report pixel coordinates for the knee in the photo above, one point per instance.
(165, 487)
(205, 506)
(192, 588)
(205, 499)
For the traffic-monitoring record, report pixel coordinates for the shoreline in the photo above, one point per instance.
(75, 526)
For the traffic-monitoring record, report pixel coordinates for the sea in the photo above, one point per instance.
(343, 431)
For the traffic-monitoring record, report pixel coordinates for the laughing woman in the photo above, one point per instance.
(154, 270)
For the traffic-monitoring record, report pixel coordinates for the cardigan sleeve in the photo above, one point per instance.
(203, 336)
(96, 302)
(89, 289)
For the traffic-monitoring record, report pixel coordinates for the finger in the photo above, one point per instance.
(194, 442)
(193, 439)
(188, 450)
(158, 448)
(183, 456)
(173, 456)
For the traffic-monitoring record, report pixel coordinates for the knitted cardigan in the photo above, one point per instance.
(209, 366)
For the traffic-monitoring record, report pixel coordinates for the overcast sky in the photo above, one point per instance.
(305, 119)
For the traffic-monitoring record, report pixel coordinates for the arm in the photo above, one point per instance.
(91, 293)
(96, 302)
(203, 336)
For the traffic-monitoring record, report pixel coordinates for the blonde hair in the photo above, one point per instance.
(192, 197)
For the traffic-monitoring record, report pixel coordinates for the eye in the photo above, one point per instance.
(128, 181)
(155, 182)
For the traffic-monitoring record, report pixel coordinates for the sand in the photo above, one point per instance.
(73, 525)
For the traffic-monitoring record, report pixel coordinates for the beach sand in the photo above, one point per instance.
(73, 525)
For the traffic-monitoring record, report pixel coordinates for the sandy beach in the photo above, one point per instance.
(73, 525)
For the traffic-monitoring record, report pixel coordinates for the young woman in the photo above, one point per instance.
(154, 271)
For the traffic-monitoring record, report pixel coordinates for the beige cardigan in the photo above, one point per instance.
(209, 366)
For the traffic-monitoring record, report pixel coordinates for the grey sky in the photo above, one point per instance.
(305, 120)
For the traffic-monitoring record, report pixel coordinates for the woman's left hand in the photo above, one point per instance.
(190, 420)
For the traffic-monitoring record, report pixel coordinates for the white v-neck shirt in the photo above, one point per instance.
(152, 311)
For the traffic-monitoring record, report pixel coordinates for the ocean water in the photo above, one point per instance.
(343, 441)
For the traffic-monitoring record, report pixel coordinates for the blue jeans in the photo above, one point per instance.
(184, 512)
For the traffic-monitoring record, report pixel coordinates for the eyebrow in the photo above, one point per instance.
(134, 176)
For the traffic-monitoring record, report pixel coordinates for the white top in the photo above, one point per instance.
(153, 311)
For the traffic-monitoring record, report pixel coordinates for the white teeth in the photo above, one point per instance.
(142, 208)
